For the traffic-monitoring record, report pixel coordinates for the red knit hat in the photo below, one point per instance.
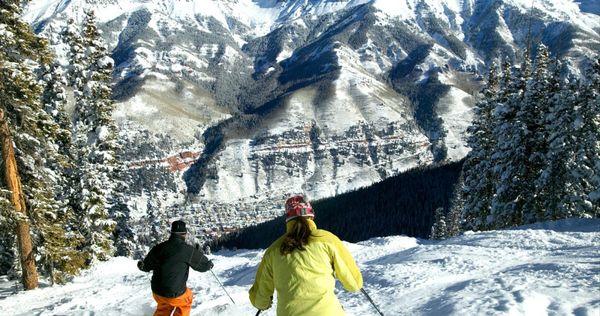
(297, 206)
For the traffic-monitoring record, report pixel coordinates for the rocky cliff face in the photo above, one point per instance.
(313, 96)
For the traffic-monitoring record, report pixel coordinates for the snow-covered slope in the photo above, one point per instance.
(544, 269)
(314, 96)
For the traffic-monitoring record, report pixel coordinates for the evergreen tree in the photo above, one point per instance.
(585, 167)
(123, 236)
(478, 179)
(75, 71)
(555, 185)
(96, 142)
(532, 115)
(57, 236)
(54, 99)
(24, 57)
(107, 149)
(79, 194)
(546, 155)
(457, 206)
(439, 229)
(593, 99)
(154, 221)
(507, 160)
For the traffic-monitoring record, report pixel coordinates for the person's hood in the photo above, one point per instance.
(289, 225)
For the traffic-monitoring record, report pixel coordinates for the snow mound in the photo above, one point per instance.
(541, 269)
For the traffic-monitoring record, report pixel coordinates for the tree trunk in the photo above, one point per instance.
(13, 183)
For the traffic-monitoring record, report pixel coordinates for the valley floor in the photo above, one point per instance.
(546, 269)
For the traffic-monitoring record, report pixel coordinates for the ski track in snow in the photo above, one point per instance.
(544, 269)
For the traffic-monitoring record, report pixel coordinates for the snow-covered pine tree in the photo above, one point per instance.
(554, 185)
(123, 236)
(79, 174)
(107, 148)
(532, 114)
(585, 167)
(34, 138)
(593, 99)
(457, 206)
(153, 227)
(439, 229)
(19, 101)
(83, 195)
(59, 238)
(54, 99)
(478, 185)
(95, 140)
(75, 71)
(509, 154)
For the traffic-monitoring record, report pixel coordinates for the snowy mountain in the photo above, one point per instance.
(263, 98)
(548, 268)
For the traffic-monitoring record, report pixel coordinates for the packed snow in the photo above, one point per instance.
(548, 268)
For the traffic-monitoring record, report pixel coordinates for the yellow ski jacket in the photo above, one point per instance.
(304, 280)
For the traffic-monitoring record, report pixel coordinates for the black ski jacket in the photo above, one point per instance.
(171, 261)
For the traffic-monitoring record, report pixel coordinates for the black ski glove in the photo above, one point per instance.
(140, 265)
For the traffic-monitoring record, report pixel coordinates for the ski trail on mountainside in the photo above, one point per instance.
(550, 268)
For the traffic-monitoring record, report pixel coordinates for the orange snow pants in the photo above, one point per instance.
(177, 306)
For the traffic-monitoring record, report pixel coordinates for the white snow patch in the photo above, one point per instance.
(176, 67)
(403, 10)
(135, 106)
(284, 54)
(455, 110)
(270, 69)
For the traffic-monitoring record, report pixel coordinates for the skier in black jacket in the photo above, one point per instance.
(170, 261)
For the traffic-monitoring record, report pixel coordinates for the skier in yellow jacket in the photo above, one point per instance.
(301, 266)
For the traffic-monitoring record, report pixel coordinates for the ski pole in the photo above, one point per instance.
(258, 312)
(371, 301)
(222, 286)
